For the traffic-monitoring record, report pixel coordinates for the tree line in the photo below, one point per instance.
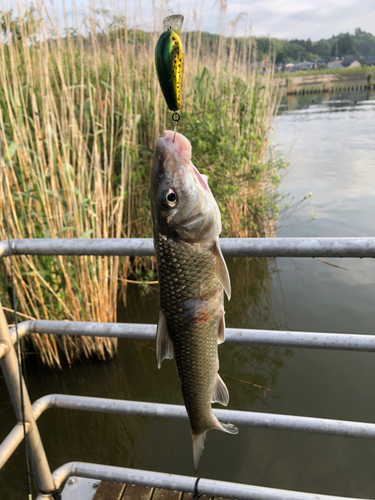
(361, 43)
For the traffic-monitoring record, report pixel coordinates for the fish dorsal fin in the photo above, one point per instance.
(222, 270)
(220, 393)
(221, 331)
(164, 345)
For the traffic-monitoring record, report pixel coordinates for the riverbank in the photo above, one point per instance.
(326, 80)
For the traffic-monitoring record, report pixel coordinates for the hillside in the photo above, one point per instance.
(361, 43)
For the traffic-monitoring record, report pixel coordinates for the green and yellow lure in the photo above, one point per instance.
(169, 61)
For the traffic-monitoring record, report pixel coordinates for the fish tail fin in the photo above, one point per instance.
(198, 447)
(199, 439)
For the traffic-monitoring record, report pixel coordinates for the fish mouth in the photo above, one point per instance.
(181, 146)
(178, 143)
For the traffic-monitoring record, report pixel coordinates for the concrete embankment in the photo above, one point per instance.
(334, 82)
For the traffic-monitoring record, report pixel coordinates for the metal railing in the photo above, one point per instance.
(269, 247)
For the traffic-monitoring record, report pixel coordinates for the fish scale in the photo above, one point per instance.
(193, 335)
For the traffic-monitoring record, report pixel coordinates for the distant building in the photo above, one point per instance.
(353, 64)
(335, 64)
(351, 61)
(304, 66)
(320, 63)
(369, 60)
(289, 67)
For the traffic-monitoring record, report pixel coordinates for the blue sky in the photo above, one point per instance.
(289, 19)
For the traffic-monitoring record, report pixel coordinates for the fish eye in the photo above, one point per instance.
(170, 198)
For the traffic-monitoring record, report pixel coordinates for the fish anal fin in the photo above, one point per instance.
(221, 330)
(220, 393)
(226, 427)
(164, 345)
(198, 447)
(222, 273)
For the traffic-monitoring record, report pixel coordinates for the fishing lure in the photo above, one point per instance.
(169, 62)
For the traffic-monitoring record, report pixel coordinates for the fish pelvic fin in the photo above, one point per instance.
(164, 345)
(222, 273)
(221, 330)
(198, 447)
(220, 393)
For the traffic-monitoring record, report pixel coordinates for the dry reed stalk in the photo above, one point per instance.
(76, 115)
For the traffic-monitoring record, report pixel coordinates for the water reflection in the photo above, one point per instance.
(75, 435)
(251, 372)
(312, 103)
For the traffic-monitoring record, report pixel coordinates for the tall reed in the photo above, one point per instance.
(79, 115)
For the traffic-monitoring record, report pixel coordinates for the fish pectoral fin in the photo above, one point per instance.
(221, 330)
(205, 178)
(222, 270)
(198, 447)
(220, 393)
(164, 345)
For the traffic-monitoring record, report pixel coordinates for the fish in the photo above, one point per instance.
(192, 279)
(169, 61)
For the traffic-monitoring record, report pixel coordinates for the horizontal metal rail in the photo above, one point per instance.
(176, 482)
(343, 428)
(231, 247)
(248, 418)
(339, 341)
(250, 247)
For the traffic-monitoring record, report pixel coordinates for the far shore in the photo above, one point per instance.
(327, 80)
(339, 73)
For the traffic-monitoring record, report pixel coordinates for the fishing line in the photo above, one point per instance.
(19, 353)
(196, 494)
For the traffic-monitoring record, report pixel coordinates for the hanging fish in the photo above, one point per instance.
(192, 279)
(169, 61)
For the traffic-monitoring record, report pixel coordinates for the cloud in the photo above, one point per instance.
(289, 19)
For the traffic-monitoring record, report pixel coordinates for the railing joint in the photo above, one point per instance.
(5, 348)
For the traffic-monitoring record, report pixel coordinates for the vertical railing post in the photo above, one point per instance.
(9, 367)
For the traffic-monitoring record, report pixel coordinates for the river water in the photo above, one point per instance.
(329, 140)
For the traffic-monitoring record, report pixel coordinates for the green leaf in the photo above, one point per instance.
(12, 148)
(87, 233)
